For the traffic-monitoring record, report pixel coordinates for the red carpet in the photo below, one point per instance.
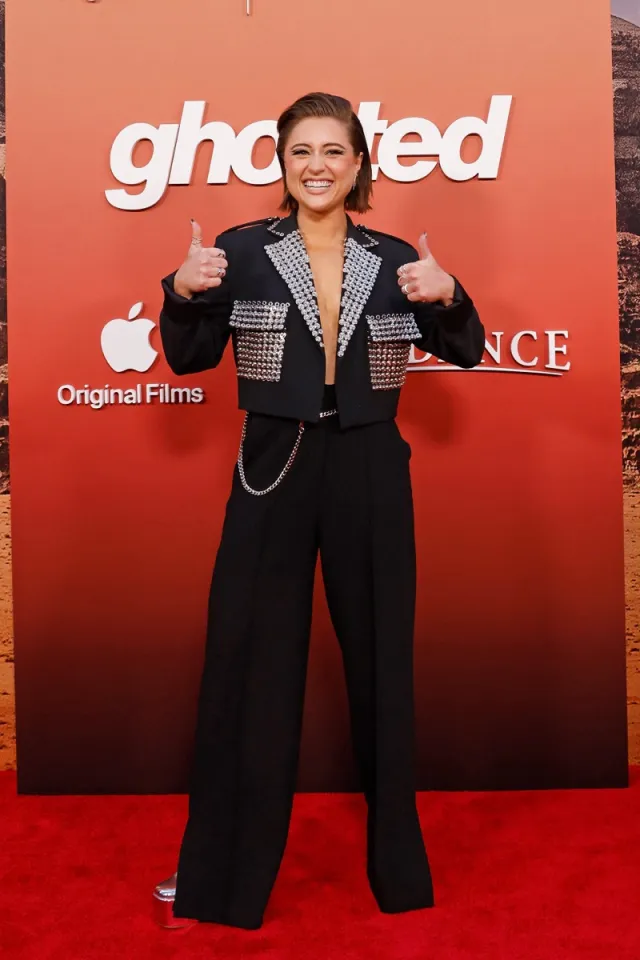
(544, 875)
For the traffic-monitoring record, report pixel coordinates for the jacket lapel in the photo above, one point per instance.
(290, 259)
(361, 267)
(360, 271)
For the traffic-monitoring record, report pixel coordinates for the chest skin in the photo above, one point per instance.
(327, 266)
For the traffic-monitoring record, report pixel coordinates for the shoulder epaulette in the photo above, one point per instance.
(380, 233)
(251, 223)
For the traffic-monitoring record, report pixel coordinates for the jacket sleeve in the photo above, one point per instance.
(195, 332)
(455, 333)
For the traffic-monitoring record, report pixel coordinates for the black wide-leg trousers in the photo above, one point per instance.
(348, 497)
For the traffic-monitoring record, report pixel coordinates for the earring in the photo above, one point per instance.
(355, 180)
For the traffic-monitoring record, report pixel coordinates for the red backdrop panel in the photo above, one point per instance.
(517, 478)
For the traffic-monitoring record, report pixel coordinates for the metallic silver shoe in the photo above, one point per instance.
(164, 896)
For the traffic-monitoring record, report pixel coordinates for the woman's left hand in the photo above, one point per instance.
(424, 280)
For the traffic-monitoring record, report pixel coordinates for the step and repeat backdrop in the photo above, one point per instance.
(492, 128)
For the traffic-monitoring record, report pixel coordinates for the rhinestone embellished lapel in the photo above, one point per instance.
(360, 271)
(290, 258)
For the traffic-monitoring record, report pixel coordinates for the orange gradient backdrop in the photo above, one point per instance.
(517, 479)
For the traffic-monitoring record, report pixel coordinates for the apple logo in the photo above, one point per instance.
(125, 343)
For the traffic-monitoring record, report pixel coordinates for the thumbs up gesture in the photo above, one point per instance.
(203, 269)
(425, 281)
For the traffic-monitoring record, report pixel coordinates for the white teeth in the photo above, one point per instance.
(317, 183)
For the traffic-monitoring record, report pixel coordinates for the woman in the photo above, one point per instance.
(322, 315)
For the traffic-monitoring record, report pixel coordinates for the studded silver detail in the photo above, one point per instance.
(390, 338)
(259, 354)
(393, 326)
(388, 364)
(290, 258)
(360, 272)
(273, 227)
(258, 315)
(368, 240)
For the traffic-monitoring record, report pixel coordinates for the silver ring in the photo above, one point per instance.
(197, 241)
(405, 288)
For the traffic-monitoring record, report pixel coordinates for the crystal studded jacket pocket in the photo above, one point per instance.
(259, 330)
(390, 338)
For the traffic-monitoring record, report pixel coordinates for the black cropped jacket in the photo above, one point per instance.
(267, 304)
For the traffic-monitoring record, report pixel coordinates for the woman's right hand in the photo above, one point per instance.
(203, 269)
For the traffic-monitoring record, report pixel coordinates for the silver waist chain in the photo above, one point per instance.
(288, 464)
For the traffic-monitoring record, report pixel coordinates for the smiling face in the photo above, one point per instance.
(320, 164)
